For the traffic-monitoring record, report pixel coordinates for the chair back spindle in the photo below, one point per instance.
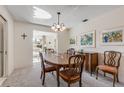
(112, 58)
(76, 63)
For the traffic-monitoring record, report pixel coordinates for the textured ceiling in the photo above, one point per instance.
(71, 15)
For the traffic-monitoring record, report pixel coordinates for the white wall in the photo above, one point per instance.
(10, 27)
(24, 48)
(109, 20)
(63, 41)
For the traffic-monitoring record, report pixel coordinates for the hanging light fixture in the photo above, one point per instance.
(58, 27)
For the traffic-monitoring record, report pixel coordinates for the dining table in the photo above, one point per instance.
(58, 60)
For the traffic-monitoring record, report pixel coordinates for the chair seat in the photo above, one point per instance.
(108, 69)
(69, 74)
(49, 68)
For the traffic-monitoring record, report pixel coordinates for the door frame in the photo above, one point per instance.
(5, 46)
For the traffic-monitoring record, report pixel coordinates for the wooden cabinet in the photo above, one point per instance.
(91, 61)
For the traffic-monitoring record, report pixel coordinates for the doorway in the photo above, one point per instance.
(41, 41)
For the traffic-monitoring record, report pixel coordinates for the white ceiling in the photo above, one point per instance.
(71, 15)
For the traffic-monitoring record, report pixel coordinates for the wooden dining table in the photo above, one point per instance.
(58, 60)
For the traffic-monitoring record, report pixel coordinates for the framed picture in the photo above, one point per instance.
(112, 37)
(87, 39)
(73, 40)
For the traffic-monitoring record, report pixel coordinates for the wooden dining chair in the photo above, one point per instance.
(71, 51)
(111, 64)
(73, 73)
(45, 68)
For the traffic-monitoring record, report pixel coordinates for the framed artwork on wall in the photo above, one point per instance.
(72, 40)
(112, 37)
(87, 39)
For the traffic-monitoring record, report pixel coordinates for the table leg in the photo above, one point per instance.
(57, 72)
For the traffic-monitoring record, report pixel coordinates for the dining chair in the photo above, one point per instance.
(45, 68)
(73, 73)
(71, 51)
(111, 64)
